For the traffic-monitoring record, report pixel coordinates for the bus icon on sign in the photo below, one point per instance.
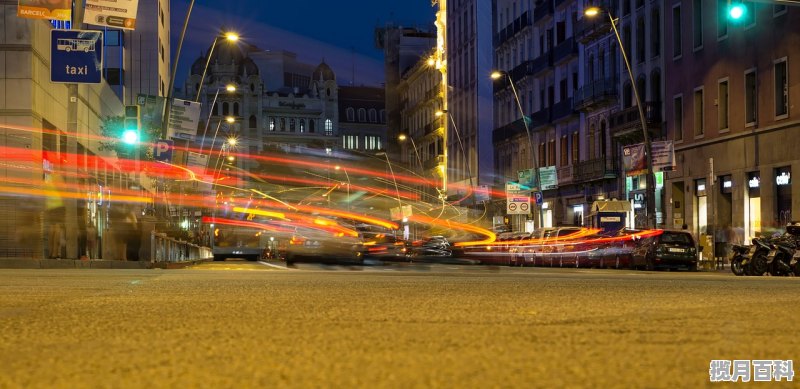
(85, 45)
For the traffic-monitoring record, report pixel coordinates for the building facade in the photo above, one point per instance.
(729, 110)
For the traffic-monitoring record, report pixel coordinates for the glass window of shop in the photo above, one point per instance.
(702, 206)
(753, 206)
(783, 195)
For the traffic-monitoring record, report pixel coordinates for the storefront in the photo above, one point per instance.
(752, 216)
(783, 195)
(702, 207)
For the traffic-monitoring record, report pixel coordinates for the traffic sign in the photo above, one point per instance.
(76, 56)
(539, 198)
(162, 151)
(524, 207)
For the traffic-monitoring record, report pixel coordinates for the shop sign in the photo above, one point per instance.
(754, 182)
(784, 179)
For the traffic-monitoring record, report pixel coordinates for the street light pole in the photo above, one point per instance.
(231, 37)
(229, 88)
(495, 75)
(174, 70)
(461, 146)
(403, 137)
(649, 175)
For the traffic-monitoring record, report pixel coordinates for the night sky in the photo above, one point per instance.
(340, 31)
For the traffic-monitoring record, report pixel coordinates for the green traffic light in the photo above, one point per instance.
(736, 11)
(130, 137)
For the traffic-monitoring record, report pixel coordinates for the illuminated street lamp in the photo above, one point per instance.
(230, 88)
(402, 138)
(228, 36)
(650, 189)
(495, 76)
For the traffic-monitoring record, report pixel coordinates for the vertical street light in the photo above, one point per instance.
(496, 75)
(348, 185)
(649, 177)
(228, 36)
(461, 146)
(230, 88)
(402, 138)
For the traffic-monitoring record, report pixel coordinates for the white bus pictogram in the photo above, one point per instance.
(85, 45)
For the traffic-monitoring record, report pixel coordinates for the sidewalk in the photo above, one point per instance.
(16, 263)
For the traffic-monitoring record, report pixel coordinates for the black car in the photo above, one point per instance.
(671, 249)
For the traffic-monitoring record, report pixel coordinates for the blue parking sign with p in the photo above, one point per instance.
(76, 56)
(539, 198)
(162, 151)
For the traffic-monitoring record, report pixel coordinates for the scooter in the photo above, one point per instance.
(740, 263)
(758, 257)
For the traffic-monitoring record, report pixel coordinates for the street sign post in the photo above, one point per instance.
(76, 56)
(518, 201)
(539, 198)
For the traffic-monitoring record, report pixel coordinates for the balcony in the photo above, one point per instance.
(512, 29)
(430, 128)
(563, 109)
(542, 10)
(541, 63)
(589, 29)
(565, 175)
(596, 94)
(596, 169)
(509, 131)
(433, 163)
(565, 50)
(627, 121)
(541, 117)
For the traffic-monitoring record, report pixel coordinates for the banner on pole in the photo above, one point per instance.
(151, 109)
(663, 156)
(38, 9)
(111, 13)
(184, 117)
(549, 177)
(633, 160)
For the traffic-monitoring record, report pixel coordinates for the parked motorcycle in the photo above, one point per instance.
(740, 263)
(758, 257)
(780, 257)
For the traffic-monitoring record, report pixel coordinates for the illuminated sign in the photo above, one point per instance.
(727, 184)
(783, 179)
(701, 187)
(754, 182)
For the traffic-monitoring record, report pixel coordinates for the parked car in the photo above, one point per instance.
(671, 249)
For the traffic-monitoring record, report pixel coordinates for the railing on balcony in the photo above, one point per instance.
(565, 49)
(430, 128)
(591, 28)
(629, 117)
(563, 109)
(596, 93)
(542, 9)
(509, 131)
(565, 175)
(433, 162)
(512, 29)
(541, 63)
(541, 117)
(596, 169)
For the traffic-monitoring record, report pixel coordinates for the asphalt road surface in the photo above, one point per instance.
(237, 324)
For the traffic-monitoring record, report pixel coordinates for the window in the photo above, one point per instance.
(283, 124)
(627, 100)
(350, 142)
(373, 115)
(564, 150)
(383, 116)
(677, 38)
(722, 105)
(640, 56)
(697, 24)
(750, 98)
(312, 125)
(722, 18)
(235, 109)
(372, 142)
(272, 124)
(291, 125)
(626, 39)
(655, 33)
(542, 156)
(225, 109)
(328, 127)
(362, 115)
(351, 114)
(252, 122)
(781, 88)
(698, 112)
(302, 123)
(551, 152)
(576, 147)
(677, 107)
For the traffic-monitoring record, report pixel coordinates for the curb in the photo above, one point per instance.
(91, 264)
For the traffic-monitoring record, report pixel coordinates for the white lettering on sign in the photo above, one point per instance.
(783, 179)
(610, 219)
(75, 70)
(701, 187)
(727, 184)
(754, 182)
(32, 12)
